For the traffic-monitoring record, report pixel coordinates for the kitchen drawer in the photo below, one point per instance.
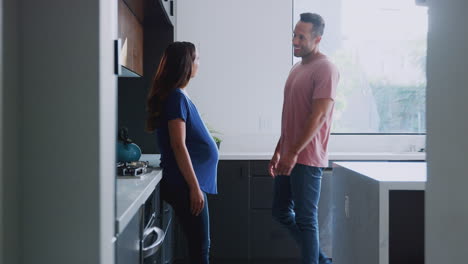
(229, 212)
(261, 197)
(259, 168)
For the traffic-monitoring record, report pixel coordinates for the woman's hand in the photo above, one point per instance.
(197, 201)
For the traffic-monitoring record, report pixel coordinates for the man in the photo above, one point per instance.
(301, 152)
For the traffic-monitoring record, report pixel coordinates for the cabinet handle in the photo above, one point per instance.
(117, 68)
(153, 248)
(151, 221)
(172, 8)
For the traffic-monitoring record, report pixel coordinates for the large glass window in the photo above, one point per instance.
(379, 47)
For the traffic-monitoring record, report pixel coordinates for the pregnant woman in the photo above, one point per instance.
(189, 155)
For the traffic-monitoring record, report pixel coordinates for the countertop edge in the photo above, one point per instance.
(394, 184)
(333, 156)
(123, 219)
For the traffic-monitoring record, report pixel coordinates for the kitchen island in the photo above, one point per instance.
(379, 212)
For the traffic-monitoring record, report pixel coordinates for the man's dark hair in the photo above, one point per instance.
(316, 20)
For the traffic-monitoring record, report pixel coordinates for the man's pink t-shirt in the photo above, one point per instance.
(306, 82)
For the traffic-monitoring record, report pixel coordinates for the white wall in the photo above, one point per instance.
(245, 53)
(245, 49)
(447, 125)
(59, 116)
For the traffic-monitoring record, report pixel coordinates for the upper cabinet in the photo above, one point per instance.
(169, 7)
(131, 36)
(136, 17)
(138, 8)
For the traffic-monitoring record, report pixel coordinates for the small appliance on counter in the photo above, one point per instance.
(128, 156)
(127, 151)
(134, 168)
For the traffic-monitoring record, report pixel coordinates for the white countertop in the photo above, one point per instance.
(132, 193)
(388, 171)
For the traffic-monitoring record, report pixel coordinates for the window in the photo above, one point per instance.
(379, 47)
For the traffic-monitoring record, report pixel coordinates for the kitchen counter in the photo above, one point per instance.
(333, 156)
(132, 193)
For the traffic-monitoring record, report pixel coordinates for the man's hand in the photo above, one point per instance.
(286, 164)
(273, 163)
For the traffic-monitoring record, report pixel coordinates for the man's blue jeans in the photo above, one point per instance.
(295, 205)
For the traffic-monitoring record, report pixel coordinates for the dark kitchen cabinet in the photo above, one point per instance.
(163, 214)
(269, 240)
(229, 212)
(229, 217)
(261, 202)
(262, 186)
(242, 228)
(135, 243)
(169, 7)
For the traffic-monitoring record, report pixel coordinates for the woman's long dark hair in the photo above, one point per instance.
(174, 71)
